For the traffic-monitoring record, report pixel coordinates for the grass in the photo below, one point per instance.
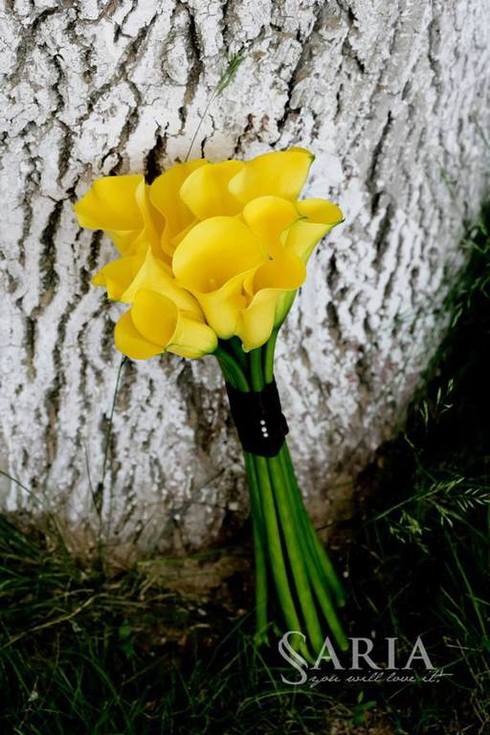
(87, 650)
(83, 652)
(422, 553)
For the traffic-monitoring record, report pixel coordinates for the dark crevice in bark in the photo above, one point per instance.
(196, 70)
(333, 322)
(64, 152)
(52, 401)
(376, 162)
(307, 53)
(30, 346)
(381, 240)
(332, 274)
(128, 128)
(47, 258)
(155, 156)
(27, 44)
(238, 149)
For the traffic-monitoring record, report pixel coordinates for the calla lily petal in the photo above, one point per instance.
(320, 216)
(320, 211)
(212, 262)
(213, 252)
(268, 217)
(192, 338)
(206, 191)
(129, 341)
(303, 236)
(155, 317)
(158, 320)
(281, 173)
(222, 308)
(285, 273)
(117, 275)
(165, 197)
(156, 276)
(110, 204)
(128, 242)
(257, 321)
(153, 221)
(120, 206)
(271, 282)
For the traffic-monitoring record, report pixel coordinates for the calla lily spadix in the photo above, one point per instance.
(211, 256)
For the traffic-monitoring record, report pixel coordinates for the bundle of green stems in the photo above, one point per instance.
(288, 551)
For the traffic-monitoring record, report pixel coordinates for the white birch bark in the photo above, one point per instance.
(392, 97)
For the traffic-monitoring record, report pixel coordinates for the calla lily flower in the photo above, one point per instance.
(212, 262)
(318, 217)
(155, 324)
(206, 192)
(269, 217)
(125, 277)
(117, 275)
(265, 288)
(120, 205)
(281, 173)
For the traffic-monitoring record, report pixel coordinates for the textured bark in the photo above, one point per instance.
(390, 95)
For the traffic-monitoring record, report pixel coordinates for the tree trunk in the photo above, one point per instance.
(390, 96)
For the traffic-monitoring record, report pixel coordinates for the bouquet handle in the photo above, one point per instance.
(288, 552)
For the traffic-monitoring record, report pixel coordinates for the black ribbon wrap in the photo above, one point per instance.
(259, 419)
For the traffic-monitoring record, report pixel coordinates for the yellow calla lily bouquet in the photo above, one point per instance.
(211, 258)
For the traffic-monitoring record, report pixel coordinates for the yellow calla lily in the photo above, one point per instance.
(155, 324)
(110, 204)
(120, 206)
(280, 173)
(155, 276)
(266, 287)
(130, 342)
(117, 275)
(206, 190)
(125, 277)
(268, 217)
(321, 211)
(212, 262)
(222, 308)
(318, 218)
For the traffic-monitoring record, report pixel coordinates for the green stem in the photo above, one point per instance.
(291, 531)
(260, 558)
(285, 542)
(236, 348)
(256, 378)
(269, 357)
(319, 567)
(278, 566)
(314, 569)
(274, 517)
(231, 370)
(320, 553)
